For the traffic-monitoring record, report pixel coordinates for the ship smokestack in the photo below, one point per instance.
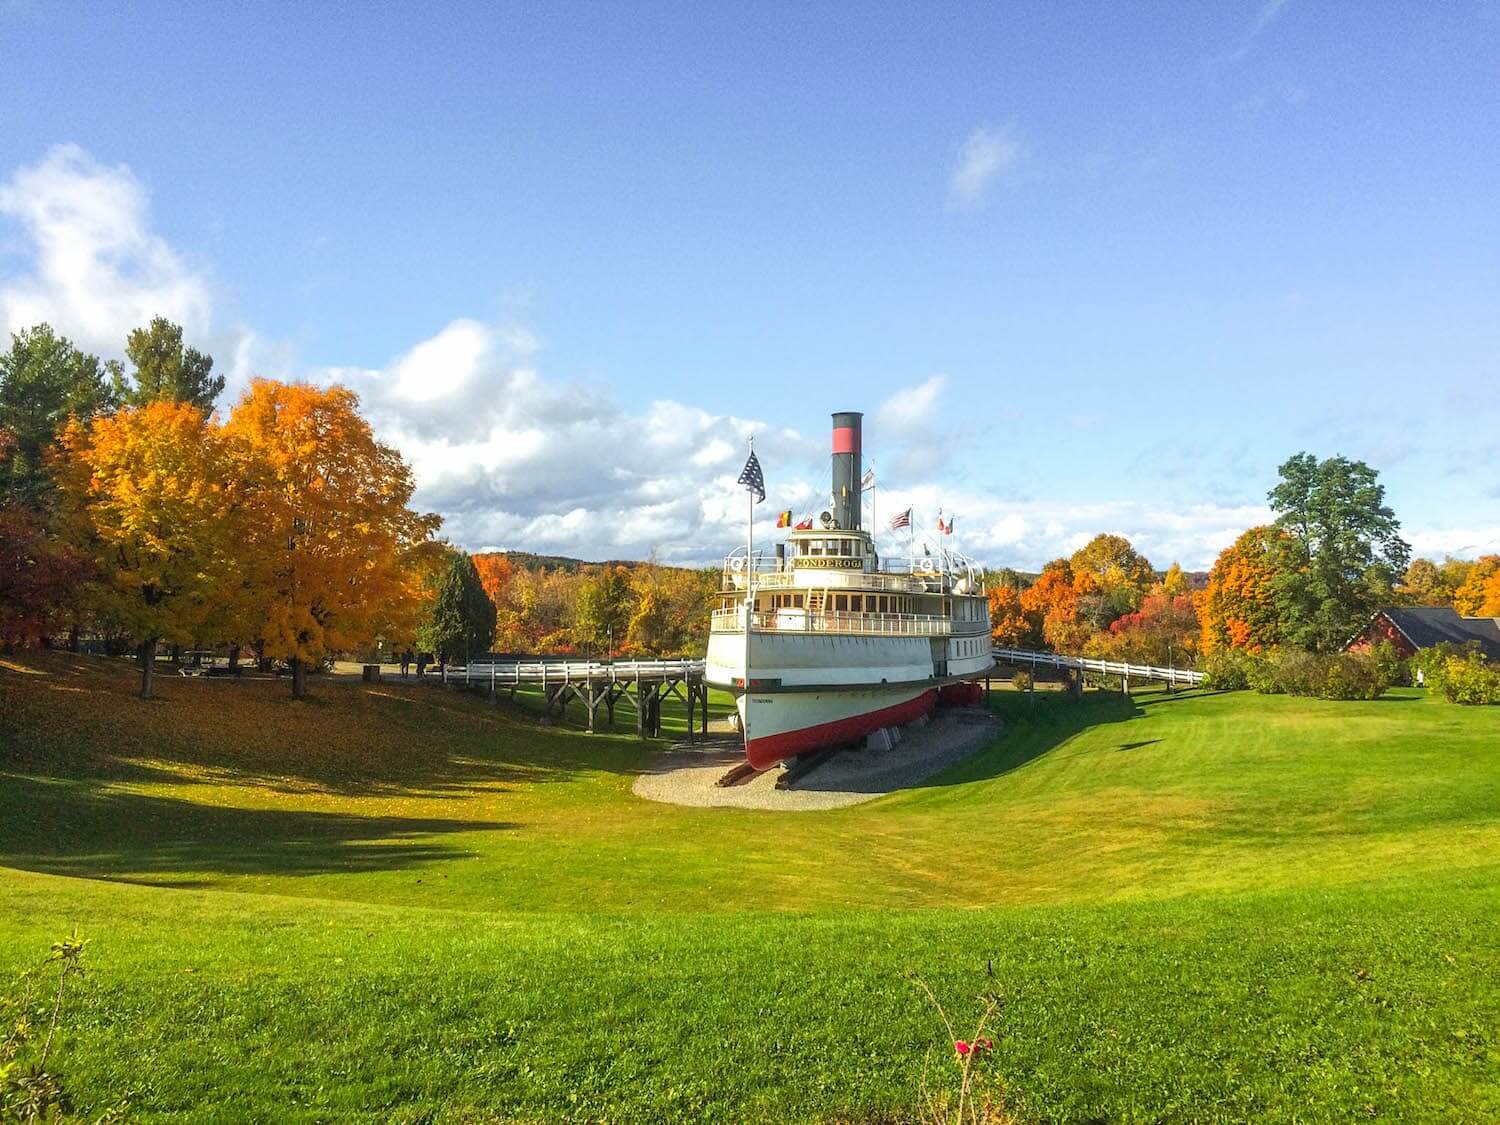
(847, 468)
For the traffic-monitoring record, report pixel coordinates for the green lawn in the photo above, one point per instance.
(396, 901)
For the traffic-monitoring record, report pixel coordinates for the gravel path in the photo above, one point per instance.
(687, 776)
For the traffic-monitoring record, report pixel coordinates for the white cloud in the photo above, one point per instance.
(913, 407)
(515, 458)
(98, 270)
(1459, 542)
(1265, 16)
(94, 268)
(986, 154)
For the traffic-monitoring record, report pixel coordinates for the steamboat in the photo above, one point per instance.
(825, 642)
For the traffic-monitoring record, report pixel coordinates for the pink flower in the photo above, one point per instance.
(961, 1047)
(985, 1044)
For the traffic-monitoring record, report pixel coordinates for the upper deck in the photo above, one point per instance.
(837, 559)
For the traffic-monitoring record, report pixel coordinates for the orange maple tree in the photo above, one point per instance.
(338, 556)
(1010, 625)
(151, 498)
(1056, 600)
(1237, 609)
(1479, 596)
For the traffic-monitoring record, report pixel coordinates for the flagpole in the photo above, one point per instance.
(749, 596)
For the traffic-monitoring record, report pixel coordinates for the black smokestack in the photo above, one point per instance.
(847, 468)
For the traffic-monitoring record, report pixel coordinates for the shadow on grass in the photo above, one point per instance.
(1037, 724)
(80, 718)
(81, 829)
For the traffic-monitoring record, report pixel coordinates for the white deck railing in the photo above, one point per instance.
(850, 624)
(815, 578)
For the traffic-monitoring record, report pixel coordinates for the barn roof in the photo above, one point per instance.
(1428, 625)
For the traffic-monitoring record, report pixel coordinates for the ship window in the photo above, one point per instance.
(856, 603)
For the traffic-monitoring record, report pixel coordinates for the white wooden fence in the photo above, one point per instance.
(1170, 676)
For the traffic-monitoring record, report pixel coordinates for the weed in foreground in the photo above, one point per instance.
(29, 1091)
(980, 1099)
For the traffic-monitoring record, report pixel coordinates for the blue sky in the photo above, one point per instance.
(1087, 268)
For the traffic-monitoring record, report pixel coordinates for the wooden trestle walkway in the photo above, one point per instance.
(640, 685)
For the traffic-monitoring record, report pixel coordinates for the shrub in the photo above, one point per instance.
(1225, 670)
(1260, 673)
(1351, 675)
(1022, 680)
(1344, 675)
(1390, 664)
(1432, 662)
(1470, 679)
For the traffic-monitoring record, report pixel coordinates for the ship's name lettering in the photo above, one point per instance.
(834, 563)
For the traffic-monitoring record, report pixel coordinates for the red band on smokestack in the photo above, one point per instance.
(846, 440)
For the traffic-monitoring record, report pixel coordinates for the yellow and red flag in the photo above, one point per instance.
(785, 519)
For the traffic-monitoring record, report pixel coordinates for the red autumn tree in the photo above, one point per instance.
(1163, 632)
(39, 577)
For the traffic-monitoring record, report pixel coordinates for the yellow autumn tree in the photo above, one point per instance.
(1479, 596)
(1119, 571)
(149, 494)
(1237, 609)
(337, 552)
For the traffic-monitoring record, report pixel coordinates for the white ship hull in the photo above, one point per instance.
(790, 723)
(808, 692)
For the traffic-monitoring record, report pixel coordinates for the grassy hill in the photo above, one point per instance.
(401, 903)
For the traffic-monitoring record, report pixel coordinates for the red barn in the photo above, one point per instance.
(1411, 628)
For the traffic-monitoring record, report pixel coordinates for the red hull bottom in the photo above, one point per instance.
(766, 752)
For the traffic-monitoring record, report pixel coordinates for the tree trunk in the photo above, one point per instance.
(73, 637)
(234, 656)
(299, 678)
(148, 667)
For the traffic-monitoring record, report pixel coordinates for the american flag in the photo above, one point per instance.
(752, 478)
(900, 520)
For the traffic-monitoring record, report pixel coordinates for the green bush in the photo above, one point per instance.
(1225, 670)
(1470, 679)
(1350, 675)
(1390, 663)
(1344, 675)
(1260, 673)
(1432, 662)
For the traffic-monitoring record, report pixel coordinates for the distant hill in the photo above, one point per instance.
(526, 560)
